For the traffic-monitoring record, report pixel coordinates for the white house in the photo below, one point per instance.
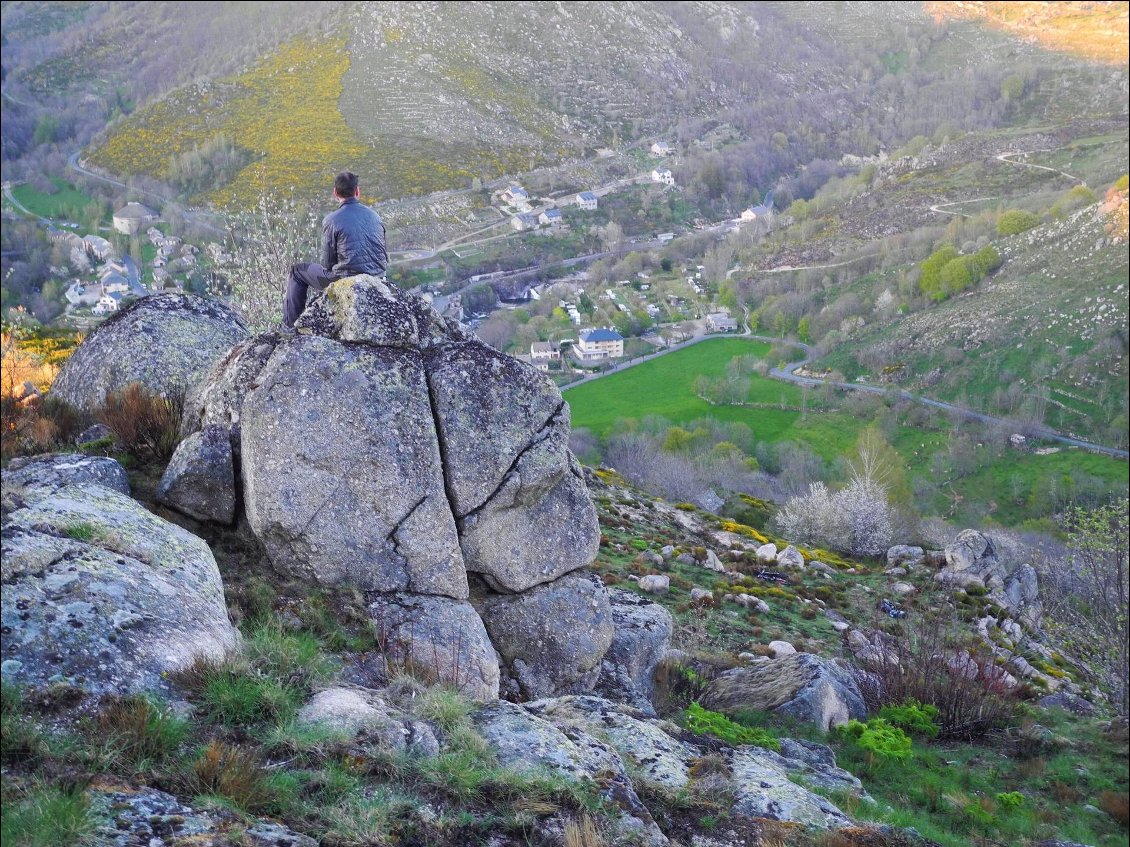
(587, 201)
(115, 283)
(661, 148)
(516, 196)
(523, 221)
(132, 217)
(98, 248)
(542, 353)
(600, 344)
(721, 322)
(550, 217)
(107, 303)
(662, 175)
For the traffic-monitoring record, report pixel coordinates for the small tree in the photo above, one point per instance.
(267, 239)
(1089, 606)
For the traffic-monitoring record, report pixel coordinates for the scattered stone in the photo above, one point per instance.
(96, 432)
(841, 626)
(698, 594)
(713, 563)
(667, 551)
(767, 553)
(790, 558)
(655, 583)
(751, 601)
(1069, 702)
(764, 790)
(821, 568)
(351, 710)
(904, 556)
(903, 589)
(895, 571)
(781, 649)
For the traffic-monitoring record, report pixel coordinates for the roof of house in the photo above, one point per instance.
(601, 335)
(135, 210)
(542, 347)
(96, 240)
(518, 191)
(587, 196)
(552, 213)
(662, 171)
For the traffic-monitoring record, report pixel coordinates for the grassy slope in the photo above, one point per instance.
(65, 201)
(664, 387)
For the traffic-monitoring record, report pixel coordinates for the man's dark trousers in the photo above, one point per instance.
(304, 276)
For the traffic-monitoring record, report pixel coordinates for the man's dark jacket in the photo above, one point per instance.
(353, 241)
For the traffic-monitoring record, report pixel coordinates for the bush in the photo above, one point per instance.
(146, 425)
(705, 722)
(135, 733)
(935, 663)
(914, 717)
(1010, 799)
(878, 739)
(1016, 221)
(856, 520)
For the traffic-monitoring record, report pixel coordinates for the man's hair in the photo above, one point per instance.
(345, 185)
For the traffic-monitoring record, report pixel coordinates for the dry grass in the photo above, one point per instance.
(1117, 805)
(233, 773)
(582, 833)
(145, 424)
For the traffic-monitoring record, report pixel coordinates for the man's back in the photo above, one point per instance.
(353, 241)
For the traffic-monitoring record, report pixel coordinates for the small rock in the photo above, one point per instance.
(790, 557)
(767, 553)
(698, 594)
(781, 649)
(840, 626)
(667, 551)
(895, 571)
(903, 588)
(655, 583)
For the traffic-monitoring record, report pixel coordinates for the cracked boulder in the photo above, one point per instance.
(167, 342)
(102, 594)
(437, 638)
(642, 635)
(551, 638)
(342, 474)
(524, 513)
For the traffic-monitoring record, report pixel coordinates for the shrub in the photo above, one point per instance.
(705, 722)
(1016, 221)
(1010, 799)
(878, 739)
(934, 662)
(1117, 805)
(856, 520)
(146, 425)
(914, 717)
(233, 773)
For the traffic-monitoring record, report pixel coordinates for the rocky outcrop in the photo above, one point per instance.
(802, 686)
(200, 480)
(383, 448)
(972, 560)
(905, 556)
(439, 639)
(594, 739)
(166, 342)
(541, 657)
(55, 470)
(641, 636)
(101, 593)
(1021, 595)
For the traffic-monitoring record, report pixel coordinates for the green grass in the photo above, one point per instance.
(67, 202)
(46, 817)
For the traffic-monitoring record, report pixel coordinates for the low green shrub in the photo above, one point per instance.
(880, 740)
(1010, 799)
(46, 816)
(705, 722)
(913, 717)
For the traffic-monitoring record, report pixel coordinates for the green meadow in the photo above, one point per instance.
(1009, 488)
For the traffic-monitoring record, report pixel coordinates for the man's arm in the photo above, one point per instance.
(329, 245)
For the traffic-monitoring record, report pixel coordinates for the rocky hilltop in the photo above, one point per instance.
(433, 597)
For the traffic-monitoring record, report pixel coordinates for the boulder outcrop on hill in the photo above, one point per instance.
(383, 448)
(803, 686)
(167, 342)
(98, 591)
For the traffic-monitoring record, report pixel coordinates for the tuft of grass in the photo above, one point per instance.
(705, 722)
(81, 531)
(295, 658)
(47, 816)
(237, 774)
(133, 734)
(582, 833)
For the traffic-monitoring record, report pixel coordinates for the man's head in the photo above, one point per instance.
(346, 185)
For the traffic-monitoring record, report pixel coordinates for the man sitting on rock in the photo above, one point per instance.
(353, 242)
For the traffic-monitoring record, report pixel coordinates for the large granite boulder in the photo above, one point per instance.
(218, 398)
(802, 686)
(641, 636)
(101, 593)
(437, 638)
(505, 434)
(342, 473)
(551, 638)
(764, 790)
(1021, 595)
(166, 342)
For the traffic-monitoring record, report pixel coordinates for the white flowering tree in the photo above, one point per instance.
(265, 241)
